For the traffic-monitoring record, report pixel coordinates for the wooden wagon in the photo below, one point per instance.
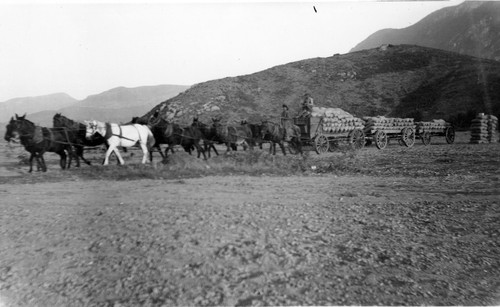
(426, 130)
(381, 136)
(314, 133)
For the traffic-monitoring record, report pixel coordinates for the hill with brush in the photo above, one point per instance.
(471, 28)
(400, 81)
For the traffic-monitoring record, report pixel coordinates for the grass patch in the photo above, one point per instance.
(183, 165)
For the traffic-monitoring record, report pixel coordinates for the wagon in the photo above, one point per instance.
(314, 133)
(405, 136)
(380, 130)
(426, 130)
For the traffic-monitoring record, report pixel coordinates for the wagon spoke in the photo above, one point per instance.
(321, 144)
(380, 139)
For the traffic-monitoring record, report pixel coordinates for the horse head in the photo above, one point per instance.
(20, 117)
(11, 134)
(91, 128)
(18, 127)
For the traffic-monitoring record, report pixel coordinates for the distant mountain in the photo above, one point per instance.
(34, 104)
(116, 105)
(471, 28)
(402, 81)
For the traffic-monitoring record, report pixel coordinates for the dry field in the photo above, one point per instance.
(399, 226)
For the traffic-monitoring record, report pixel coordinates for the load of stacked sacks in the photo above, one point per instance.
(484, 129)
(336, 120)
(434, 126)
(386, 124)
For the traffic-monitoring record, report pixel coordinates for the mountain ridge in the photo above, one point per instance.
(118, 104)
(470, 28)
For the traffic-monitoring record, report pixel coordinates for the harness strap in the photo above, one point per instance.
(109, 133)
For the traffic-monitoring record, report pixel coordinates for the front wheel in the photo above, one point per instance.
(408, 136)
(321, 144)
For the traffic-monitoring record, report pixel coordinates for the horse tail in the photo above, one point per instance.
(151, 139)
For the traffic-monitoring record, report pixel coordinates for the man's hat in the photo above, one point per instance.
(285, 106)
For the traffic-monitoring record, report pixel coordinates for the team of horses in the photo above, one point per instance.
(67, 137)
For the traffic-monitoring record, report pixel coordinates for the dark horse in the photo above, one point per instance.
(208, 135)
(38, 140)
(76, 135)
(233, 135)
(172, 134)
(277, 134)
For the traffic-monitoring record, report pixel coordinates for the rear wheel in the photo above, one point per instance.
(356, 139)
(321, 144)
(380, 139)
(408, 136)
(450, 135)
(426, 138)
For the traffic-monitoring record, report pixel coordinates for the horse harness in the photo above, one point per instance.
(109, 133)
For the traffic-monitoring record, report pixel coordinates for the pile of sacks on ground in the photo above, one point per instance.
(484, 129)
(436, 125)
(387, 123)
(336, 120)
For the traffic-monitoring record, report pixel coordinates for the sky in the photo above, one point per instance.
(85, 48)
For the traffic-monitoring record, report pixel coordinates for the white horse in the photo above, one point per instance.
(121, 135)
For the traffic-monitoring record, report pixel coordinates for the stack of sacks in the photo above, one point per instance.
(387, 124)
(493, 129)
(483, 129)
(336, 120)
(436, 125)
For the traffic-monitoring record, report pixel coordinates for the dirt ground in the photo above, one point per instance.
(417, 226)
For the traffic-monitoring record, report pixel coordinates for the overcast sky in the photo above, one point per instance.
(84, 49)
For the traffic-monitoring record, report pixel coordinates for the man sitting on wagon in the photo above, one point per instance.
(307, 106)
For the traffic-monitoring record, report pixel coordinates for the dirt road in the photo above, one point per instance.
(317, 239)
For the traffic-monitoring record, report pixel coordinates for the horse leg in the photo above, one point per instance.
(145, 153)
(211, 145)
(44, 166)
(282, 145)
(108, 153)
(31, 162)
(119, 156)
(200, 150)
(71, 155)
(159, 150)
(79, 152)
(62, 161)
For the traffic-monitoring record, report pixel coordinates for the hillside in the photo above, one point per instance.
(34, 104)
(405, 81)
(115, 105)
(471, 28)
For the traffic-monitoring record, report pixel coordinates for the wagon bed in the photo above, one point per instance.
(314, 133)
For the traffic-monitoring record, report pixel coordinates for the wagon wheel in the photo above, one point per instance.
(321, 144)
(426, 138)
(356, 139)
(408, 136)
(450, 135)
(380, 139)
